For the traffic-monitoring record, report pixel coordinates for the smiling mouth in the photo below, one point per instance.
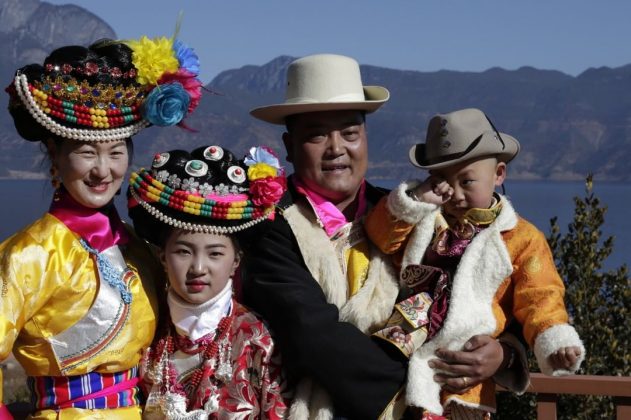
(334, 168)
(98, 186)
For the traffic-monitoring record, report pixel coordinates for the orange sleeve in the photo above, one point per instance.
(387, 232)
(538, 289)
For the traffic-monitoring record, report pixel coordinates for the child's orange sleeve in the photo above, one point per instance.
(387, 232)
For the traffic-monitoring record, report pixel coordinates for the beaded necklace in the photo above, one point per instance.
(215, 368)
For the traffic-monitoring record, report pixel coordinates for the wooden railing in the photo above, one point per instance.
(548, 389)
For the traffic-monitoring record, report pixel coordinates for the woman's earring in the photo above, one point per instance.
(55, 181)
(54, 177)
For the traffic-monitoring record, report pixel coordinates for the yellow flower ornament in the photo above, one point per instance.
(261, 170)
(153, 58)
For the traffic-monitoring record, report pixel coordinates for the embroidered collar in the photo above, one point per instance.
(329, 216)
(477, 216)
(197, 321)
(100, 228)
(466, 226)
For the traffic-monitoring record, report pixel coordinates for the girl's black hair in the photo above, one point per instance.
(156, 231)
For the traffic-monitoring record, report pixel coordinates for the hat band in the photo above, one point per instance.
(199, 227)
(107, 134)
(349, 97)
(446, 158)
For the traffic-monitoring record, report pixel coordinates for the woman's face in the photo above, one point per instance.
(198, 265)
(91, 172)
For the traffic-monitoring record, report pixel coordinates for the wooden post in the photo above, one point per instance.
(546, 406)
(623, 407)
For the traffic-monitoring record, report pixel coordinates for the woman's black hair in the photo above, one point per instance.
(105, 53)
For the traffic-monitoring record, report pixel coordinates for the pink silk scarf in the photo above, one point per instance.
(331, 217)
(101, 228)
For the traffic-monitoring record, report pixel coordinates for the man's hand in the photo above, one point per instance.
(480, 359)
(433, 190)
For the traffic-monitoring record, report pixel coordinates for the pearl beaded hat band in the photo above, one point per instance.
(26, 92)
(207, 190)
(88, 102)
(197, 227)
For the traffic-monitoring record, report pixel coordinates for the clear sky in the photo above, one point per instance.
(424, 35)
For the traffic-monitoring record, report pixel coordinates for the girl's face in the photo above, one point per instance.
(91, 172)
(198, 265)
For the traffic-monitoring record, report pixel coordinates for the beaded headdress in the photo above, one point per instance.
(88, 100)
(207, 190)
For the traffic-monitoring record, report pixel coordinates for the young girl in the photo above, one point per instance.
(77, 297)
(214, 358)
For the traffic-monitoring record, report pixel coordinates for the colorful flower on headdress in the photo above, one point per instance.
(261, 170)
(267, 191)
(266, 176)
(262, 154)
(189, 82)
(166, 105)
(152, 58)
(171, 68)
(186, 57)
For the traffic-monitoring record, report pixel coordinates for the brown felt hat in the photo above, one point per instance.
(460, 136)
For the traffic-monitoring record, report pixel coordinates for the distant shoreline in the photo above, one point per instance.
(570, 177)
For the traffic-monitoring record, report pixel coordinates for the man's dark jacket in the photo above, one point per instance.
(360, 377)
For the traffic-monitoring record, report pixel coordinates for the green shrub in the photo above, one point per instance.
(599, 304)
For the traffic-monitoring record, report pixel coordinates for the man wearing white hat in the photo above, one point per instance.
(314, 276)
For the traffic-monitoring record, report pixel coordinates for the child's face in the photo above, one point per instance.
(198, 264)
(473, 183)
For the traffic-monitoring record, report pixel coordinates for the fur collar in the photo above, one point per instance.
(368, 309)
(483, 267)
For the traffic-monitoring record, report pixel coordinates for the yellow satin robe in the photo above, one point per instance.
(48, 283)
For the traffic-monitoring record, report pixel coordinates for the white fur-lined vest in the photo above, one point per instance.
(368, 309)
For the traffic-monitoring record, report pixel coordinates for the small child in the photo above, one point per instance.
(470, 264)
(214, 358)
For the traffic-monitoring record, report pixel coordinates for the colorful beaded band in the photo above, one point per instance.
(90, 69)
(100, 95)
(23, 90)
(146, 190)
(83, 115)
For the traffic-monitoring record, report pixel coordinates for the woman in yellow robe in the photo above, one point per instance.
(78, 300)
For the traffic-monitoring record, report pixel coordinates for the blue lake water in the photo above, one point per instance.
(538, 201)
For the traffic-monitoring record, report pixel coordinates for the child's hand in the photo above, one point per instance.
(564, 358)
(433, 190)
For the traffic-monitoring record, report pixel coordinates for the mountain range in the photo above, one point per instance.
(568, 126)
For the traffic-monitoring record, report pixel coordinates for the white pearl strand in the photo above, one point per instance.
(95, 135)
(216, 230)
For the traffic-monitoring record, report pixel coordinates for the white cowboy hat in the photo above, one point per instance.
(459, 136)
(323, 82)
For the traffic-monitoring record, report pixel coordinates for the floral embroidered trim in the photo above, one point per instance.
(110, 274)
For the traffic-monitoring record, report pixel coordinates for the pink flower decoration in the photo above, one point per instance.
(189, 82)
(267, 191)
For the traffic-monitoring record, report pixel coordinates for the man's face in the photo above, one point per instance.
(329, 152)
